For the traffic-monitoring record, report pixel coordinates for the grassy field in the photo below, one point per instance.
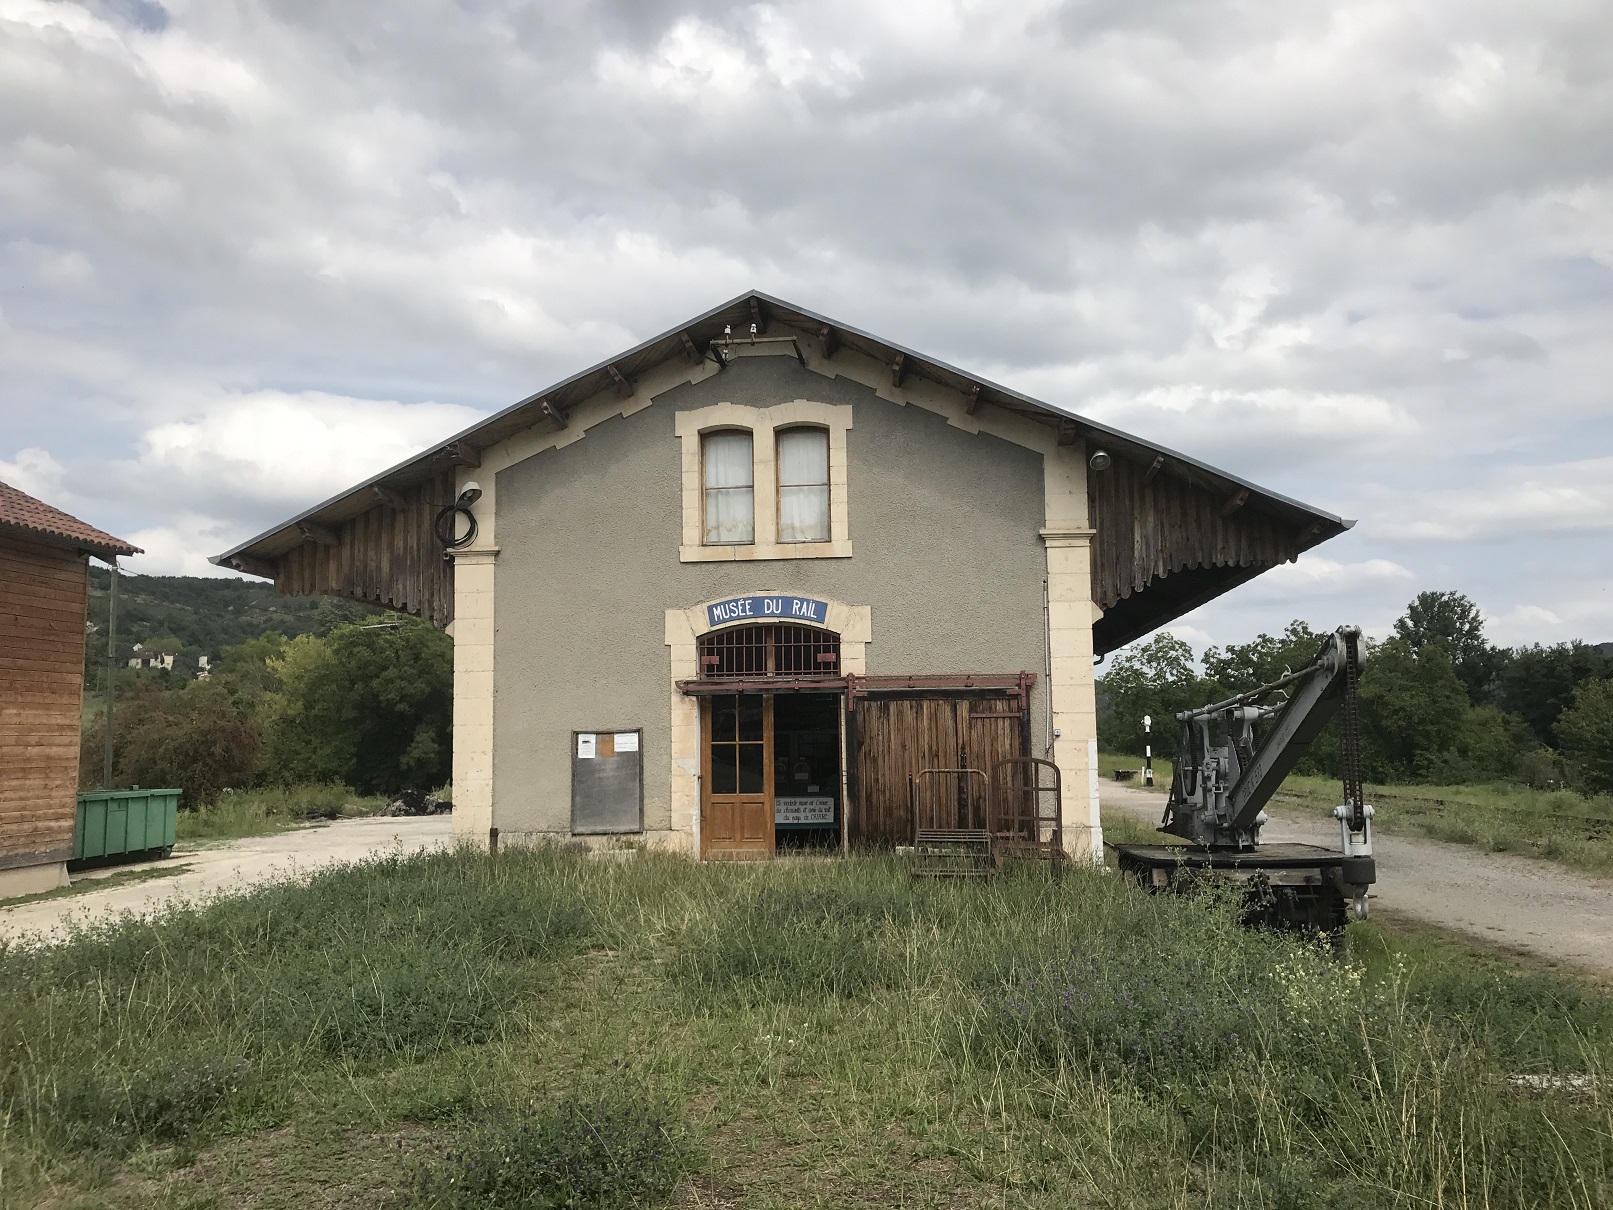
(1557, 825)
(547, 1029)
(241, 813)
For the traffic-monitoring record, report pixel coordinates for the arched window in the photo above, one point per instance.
(730, 506)
(803, 485)
(773, 650)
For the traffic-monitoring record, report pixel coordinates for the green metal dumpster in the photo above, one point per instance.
(113, 823)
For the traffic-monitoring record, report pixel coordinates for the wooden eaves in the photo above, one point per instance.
(1172, 531)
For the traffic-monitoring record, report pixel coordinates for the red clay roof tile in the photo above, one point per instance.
(34, 518)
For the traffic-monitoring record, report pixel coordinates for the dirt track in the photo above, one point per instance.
(232, 866)
(1517, 902)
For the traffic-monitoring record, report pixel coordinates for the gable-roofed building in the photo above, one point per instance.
(44, 603)
(739, 586)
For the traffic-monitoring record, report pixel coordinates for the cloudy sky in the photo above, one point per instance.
(1361, 253)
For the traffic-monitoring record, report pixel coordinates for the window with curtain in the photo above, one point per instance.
(803, 485)
(730, 491)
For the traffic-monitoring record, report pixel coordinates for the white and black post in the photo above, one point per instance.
(1148, 750)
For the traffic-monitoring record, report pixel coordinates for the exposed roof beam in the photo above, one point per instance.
(313, 532)
(897, 366)
(756, 316)
(252, 567)
(552, 412)
(1067, 432)
(623, 387)
(1234, 503)
(1153, 469)
(828, 341)
(689, 351)
(393, 500)
(974, 400)
(465, 454)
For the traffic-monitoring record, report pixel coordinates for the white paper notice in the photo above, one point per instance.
(585, 746)
(804, 810)
(626, 741)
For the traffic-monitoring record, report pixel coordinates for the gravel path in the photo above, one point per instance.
(235, 865)
(1517, 902)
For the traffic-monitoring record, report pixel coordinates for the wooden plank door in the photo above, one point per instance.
(897, 738)
(736, 783)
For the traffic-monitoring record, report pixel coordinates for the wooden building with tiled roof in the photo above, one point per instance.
(44, 601)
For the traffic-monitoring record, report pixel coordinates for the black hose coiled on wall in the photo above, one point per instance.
(444, 526)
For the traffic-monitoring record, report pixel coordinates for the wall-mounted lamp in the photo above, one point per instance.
(1100, 460)
(471, 494)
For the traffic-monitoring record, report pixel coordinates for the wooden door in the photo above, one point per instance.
(897, 738)
(736, 782)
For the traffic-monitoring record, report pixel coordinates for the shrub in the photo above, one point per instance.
(598, 1150)
(195, 739)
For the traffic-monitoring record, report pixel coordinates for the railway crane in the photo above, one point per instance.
(1232, 757)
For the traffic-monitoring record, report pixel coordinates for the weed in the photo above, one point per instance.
(590, 1150)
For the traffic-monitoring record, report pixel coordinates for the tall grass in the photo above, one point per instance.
(1026, 1040)
(239, 813)
(1558, 825)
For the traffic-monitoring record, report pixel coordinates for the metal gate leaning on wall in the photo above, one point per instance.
(893, 737)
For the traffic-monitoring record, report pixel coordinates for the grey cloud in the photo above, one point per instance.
(1097, 203)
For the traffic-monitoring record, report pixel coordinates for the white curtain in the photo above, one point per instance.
(803, 494)
(730, 494)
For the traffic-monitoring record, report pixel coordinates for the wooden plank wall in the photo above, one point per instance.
(386, 556)
(1147, 531)
(43, 598)
(897, 738)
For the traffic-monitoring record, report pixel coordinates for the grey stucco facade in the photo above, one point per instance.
(947, 558)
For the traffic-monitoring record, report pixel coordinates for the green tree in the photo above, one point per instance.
(1239, 667)
(1413, 709)
(1453, 621)
(369, 705)
(245, 666)
(1586, 732)
(1155, 679)
(1538, 683)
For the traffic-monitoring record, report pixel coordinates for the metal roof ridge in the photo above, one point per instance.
(801, 312)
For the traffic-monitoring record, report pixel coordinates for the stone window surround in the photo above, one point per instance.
(764, 425)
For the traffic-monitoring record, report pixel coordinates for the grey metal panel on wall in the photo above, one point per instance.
(944, 525)
(607, 788)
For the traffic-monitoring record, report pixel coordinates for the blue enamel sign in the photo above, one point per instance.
(767, 609)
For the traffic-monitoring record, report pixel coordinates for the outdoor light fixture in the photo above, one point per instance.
(1100, 460)
(471, 494)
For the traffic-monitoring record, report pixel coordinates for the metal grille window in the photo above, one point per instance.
(803, 492)
(730, 489)
(755, 651)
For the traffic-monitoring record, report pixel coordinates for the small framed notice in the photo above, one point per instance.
(813, 811)
(607, 783)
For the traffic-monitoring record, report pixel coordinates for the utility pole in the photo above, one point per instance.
(1148, 751)
(111, 667)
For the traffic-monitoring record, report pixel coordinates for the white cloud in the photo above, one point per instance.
(233, 228)
(1314, 575)
(34, 471)
(282, 451)
(1570, 497)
